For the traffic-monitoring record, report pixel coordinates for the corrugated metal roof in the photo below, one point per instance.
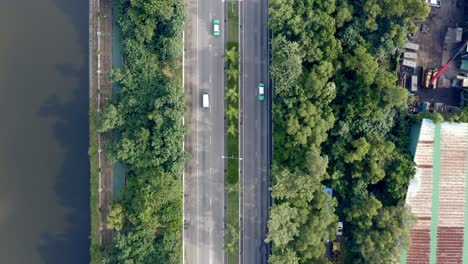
(438, 196)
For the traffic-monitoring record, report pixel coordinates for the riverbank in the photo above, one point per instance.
(100, 91)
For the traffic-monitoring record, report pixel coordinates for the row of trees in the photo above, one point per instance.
(340, 121)
(147, 117)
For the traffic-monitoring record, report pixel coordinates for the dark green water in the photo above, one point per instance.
(44, 169)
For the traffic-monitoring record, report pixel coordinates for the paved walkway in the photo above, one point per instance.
(100, 92)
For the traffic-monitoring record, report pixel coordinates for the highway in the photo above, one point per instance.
(255, 131)
(204, 197)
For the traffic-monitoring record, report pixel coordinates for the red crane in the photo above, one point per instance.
(434, 78)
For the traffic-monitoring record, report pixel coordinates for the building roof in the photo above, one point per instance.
(409, 63)
(410, 45)
(438, 195)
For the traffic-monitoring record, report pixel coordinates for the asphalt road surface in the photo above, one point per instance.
(255, 131)
(204, 199)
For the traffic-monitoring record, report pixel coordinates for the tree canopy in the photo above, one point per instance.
(146, 118)
(340, 120)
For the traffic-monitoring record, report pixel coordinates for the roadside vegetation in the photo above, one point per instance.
(147, 114)
(94, 182)
(340, 121)
(232, 152)
(232, 134)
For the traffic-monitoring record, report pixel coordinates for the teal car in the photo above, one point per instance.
(216, 27)
(261, 91)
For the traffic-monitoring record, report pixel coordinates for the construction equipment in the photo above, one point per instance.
(428, 75)
(434, 77)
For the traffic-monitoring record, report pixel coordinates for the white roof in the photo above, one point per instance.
(414, 83)
(409, 63)
(206, 101)
(412, 46)
(410, 55)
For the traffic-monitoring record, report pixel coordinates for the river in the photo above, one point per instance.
(44, 166)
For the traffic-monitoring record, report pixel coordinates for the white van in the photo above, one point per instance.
(205, 100)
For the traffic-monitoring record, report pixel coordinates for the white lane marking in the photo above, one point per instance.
(243, 167)
(196, 108)
(183, 149)
(210, 140)
(221, 118)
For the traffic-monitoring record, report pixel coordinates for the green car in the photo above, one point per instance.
(261, 91)
(216, 27)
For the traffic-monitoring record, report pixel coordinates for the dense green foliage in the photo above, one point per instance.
(147, 117)
(231, 237)
(340, 120)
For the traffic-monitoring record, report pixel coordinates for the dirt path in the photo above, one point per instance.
(100, 60)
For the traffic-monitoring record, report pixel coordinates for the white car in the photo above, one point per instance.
(434, 3)
(216, 29)
(205, 100)
(340, 229)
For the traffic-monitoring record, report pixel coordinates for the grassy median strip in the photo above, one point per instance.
(93, 150)
(232, 133)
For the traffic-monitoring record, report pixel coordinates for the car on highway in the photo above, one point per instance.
(216, 27)
(261, 91)
(205, 100)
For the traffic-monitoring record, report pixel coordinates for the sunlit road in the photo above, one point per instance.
(204, 174)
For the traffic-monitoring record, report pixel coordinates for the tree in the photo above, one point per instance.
(286, 64)
(233, 234)
(232, 72)
(116, 217)
(361, 212)
(232, 56)
(400, 172)
(388, 237)
(108, 119)
(232, 95)
(316, 163)
(362, 147)
(319, 227)
(282, 227)
(293, 186)
(147, 117)
(363, 64)
(286, 256)
(461, 116)
(232, 113)
(372, 10)
(232, 129)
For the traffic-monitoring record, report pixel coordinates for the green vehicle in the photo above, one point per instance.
(261, 91)
(216, 27)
